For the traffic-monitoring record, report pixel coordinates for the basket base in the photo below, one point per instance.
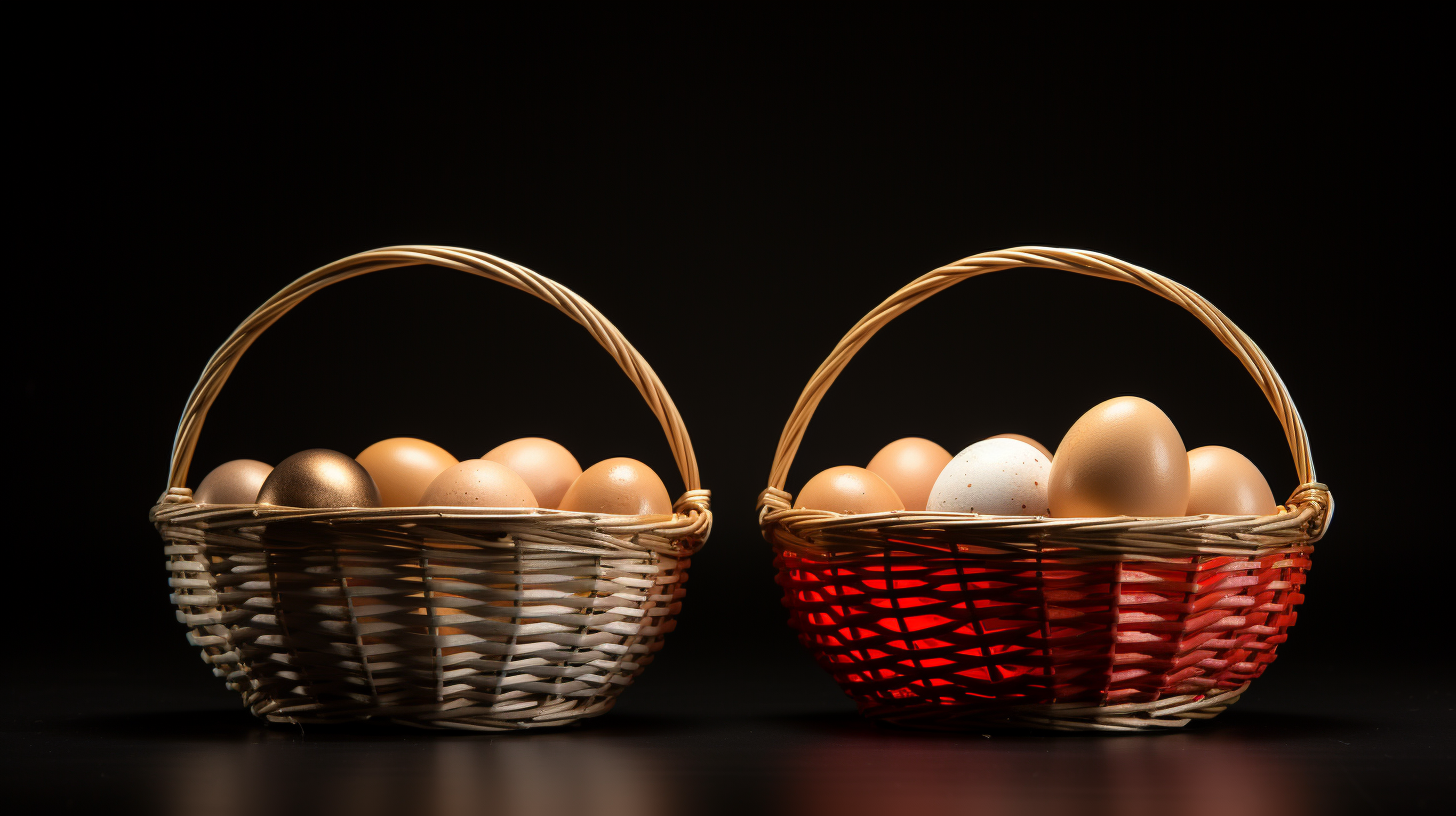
(1161, 715)
(458, 718)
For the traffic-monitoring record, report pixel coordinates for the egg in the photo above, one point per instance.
(622, 486)
(849, 490)
(1122, 458)
(478, 483)
(1225, 481)
(546, 466)
(995, 477)
(235, 482)
(319, 478)
(1028, 440)
(910, 466)
(403, 467)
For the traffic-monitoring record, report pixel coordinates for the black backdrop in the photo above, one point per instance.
(733, 196)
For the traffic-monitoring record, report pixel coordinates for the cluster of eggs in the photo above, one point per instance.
(407, 472)
(1122, 458)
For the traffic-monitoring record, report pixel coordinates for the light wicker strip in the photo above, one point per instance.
(438, 617)
(995, 659)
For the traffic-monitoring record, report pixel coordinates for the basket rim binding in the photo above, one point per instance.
(1302, 520)
(187, 527)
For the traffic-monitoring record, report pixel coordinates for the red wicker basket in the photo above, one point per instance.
(957, 620)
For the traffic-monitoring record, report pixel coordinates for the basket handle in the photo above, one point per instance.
(1081, 262)
(465, 260)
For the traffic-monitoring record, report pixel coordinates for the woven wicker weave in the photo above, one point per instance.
(957, 620)
(470, 618)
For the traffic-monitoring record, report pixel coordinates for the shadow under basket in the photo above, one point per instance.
(440, 617)
(963, 621)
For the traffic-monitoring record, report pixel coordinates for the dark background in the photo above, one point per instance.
(733, 194)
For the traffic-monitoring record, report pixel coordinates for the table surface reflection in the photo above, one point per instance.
(755, 756)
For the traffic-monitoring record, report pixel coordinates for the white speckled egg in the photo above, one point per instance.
(1001, 477)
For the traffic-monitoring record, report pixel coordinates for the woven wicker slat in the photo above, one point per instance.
(957, 620)
(439, 617)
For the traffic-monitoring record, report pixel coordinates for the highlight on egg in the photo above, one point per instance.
(478, 483)
(547, 467)
(618, 486)
(403, 467)
(319, 478)
(998, 476)
(1224, 481)
(910, 467)
(1123, 457)
(235, 482)
(849, 490)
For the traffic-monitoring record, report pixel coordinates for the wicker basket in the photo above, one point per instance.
(957, 620)
(442, 617)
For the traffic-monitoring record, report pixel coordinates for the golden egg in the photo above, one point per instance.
(1122, 458)
(478, 483)
(1225, 481)
(1028, 440)
(910, 466)
(547, 467)
(403, 467)
(319, 478)
(619, 486)
(235, 482)
(849, 490)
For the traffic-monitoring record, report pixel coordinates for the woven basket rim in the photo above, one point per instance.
(822, 531)
(683, 532)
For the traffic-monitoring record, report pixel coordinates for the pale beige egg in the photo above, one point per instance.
(235, 482)
(849, 490)
(910, 467)
(1028, 440)
(546, 466)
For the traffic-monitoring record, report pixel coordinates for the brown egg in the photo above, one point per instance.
(1028, 440)
(235, 482)
(319, 478)
(1224, 481)
(849, 490)
(910, 467)
(403, 467)
(1122, 458)
(620, 486)
(546, 466)
(478, 483)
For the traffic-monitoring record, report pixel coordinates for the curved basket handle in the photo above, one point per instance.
(1083, 263)
(465, 260)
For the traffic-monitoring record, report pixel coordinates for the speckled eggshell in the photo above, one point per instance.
(478, 483)
(994, 477)
(1225, 481)
(1028, 440)
(849, 490)
(235, 482)
(620, 486)
(1122, 458)
(910, 466)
